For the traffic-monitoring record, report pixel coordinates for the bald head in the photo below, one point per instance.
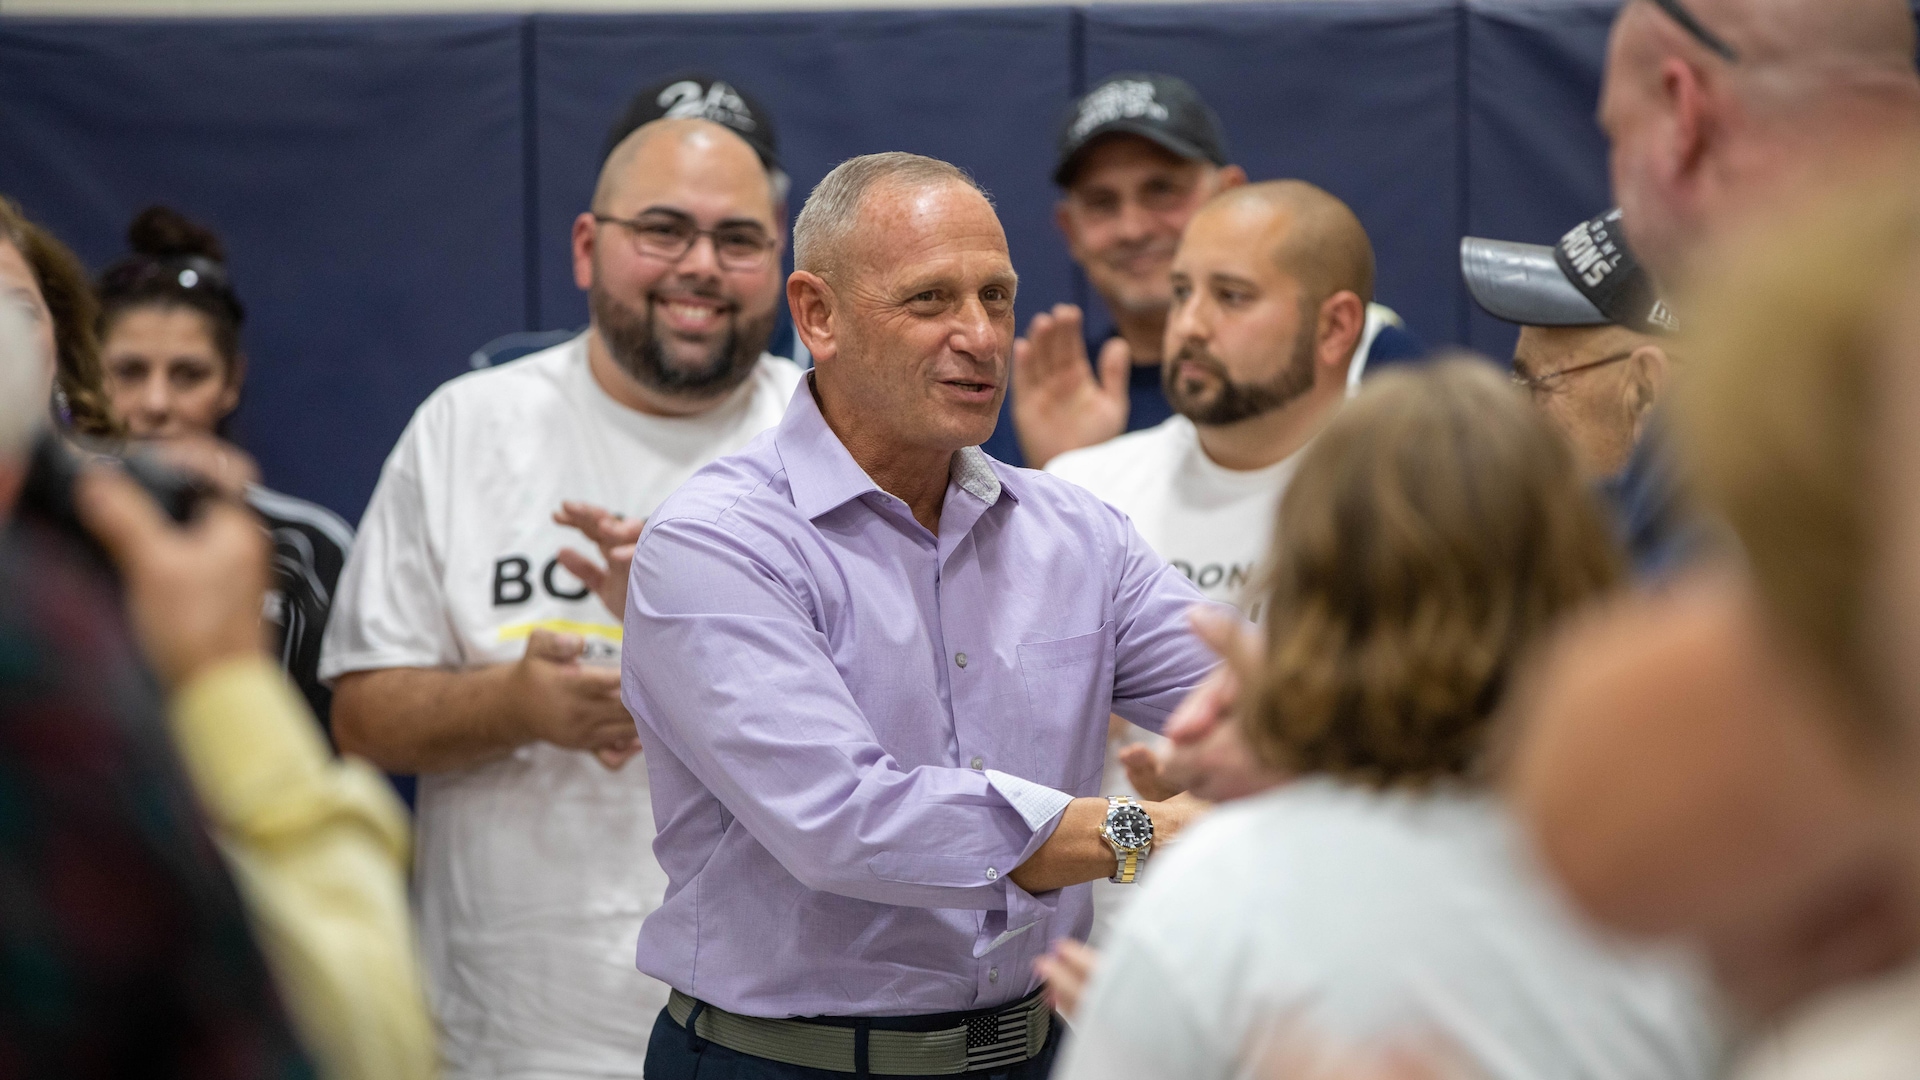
(824, 235)
(1314, 236)
(1841, 44)
(1816, 92)
(676, 146)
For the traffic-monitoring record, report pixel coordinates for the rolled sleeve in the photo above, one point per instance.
(725, 669)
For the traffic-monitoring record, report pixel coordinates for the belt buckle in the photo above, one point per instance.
(998, 1039)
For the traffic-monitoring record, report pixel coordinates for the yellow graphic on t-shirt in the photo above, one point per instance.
(602, 639)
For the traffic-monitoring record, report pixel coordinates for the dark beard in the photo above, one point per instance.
(634, 345)
(1234, 402)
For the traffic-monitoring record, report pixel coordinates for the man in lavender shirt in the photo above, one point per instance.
(872, 669)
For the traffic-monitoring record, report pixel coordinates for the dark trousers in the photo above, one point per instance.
(674, 1054)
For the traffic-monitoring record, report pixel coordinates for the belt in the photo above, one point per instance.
(992, 1039)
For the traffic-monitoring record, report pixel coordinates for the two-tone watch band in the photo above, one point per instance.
(1127, 867)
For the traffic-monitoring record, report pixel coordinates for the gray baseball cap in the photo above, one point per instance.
(1590, 278)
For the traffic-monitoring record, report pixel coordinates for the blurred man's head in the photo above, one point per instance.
(1713, 106)
(680, 257)
(1269, 287)
(1139, 155)
(903, 291)
(1591, 351)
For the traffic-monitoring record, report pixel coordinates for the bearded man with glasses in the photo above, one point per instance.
(471, 647)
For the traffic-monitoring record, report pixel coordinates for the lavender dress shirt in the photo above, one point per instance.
(855, 729)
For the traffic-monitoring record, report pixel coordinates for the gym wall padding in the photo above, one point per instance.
(395, 192)
(366, 175)
(1357, 96)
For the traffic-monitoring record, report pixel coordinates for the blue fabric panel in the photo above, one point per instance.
(1537, 159)
(982, 89)
(1358, 96)
(367, 176)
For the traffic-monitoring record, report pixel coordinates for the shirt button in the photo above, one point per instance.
(977, 763)
(992, 874)
(960, 658)
(993, 974)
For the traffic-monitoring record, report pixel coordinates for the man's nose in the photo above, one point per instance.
(701, 260)
(976, 332)
(1135, 221)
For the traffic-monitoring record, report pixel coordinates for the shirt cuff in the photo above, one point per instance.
(1036, 804)
(1040, 807)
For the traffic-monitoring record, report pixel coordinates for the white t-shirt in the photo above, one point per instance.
(1212, 523)
(1361, 918)
(533, 872)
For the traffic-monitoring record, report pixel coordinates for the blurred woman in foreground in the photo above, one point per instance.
(1431, 535)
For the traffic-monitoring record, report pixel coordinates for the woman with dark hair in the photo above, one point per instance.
(1433, 532)
(169, 329)
(40, 275)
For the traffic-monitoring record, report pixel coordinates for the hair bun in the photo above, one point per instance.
(161, 232)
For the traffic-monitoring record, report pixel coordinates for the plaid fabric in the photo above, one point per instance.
(124, 949)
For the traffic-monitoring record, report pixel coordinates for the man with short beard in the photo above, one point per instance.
(466, 648)
(1270, 290)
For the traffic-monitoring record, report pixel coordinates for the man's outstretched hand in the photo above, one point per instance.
(195, 592)
(1058, 402)
(615, 536)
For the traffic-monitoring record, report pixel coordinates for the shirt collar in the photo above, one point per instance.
(823, 476)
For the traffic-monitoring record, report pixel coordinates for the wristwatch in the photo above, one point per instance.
(1129, 832)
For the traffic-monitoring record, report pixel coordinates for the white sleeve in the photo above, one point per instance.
(390, 609)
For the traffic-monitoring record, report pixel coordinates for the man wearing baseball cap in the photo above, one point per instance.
(1139, 154)
(697, 95)
(1592, 353)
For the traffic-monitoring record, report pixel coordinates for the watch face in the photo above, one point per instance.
(1130, 828)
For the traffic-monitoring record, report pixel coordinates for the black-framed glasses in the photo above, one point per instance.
(669, 238)
(1695, 29)
(1544, 383)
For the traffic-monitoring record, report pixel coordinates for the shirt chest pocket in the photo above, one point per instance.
(1069, 684)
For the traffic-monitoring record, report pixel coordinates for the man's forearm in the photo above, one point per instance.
(413, 720)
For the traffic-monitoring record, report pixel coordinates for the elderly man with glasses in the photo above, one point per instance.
(1590, 353)
(470, 646)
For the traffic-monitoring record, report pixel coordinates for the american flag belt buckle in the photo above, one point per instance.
(997, 1040)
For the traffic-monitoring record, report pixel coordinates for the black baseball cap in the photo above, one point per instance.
(1159, 108)
(1590, 278)
(695, 95)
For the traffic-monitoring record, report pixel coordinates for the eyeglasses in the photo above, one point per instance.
(1544, 383)
(1678, 13)
(660, 236)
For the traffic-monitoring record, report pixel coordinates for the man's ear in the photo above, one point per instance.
(810, 302)
(1063, 219)
(1646, 377)
(1689, 102)
(585, 234)
(1343, 320)
(1229, 177)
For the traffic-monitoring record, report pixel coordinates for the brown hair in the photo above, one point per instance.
(1431, 533)
(69, 297)
(1777, 416)
(175, 262)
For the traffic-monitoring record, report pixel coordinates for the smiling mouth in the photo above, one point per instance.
(972, 387)
(693, 316)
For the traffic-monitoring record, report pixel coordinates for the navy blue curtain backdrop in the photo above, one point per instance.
(365, 174)
(397, 191)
